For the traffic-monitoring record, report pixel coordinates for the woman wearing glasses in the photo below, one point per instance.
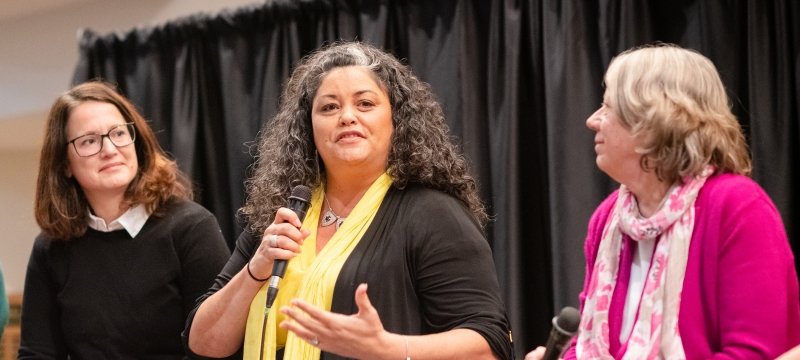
(123, 252)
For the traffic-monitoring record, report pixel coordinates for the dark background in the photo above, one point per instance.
(517, 80)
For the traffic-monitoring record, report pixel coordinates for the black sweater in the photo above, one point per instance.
(110, 296)
(428, 266)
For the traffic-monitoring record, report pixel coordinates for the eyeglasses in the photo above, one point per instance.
(90, 144)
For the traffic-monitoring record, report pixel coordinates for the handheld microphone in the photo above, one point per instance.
(298, 202)
(565, 325)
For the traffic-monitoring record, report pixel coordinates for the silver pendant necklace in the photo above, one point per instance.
(330, 217)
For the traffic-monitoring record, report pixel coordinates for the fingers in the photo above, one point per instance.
(286, 215)
(315, 321)
(279, 246)
(316, 316)
(365, 307)
(536, 354)
(287, 223)
(309, 321)
(305, 321)
(353, 336)
(282, 240)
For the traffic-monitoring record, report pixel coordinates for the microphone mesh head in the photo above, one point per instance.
(568, 319)
(301, 192)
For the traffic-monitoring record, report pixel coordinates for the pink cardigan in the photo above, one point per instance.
(740, 293)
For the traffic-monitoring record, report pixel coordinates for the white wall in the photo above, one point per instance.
(17, 227)
(38, 52)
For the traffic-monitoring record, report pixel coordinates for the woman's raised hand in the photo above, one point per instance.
(360, 335)
(281, 241)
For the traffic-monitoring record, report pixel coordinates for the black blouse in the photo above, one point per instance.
(428, 266)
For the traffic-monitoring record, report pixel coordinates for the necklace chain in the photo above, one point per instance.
(329, 217)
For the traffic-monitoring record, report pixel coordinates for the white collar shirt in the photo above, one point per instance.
(132, 221)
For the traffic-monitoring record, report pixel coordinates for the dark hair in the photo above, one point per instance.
(421, 151)
(61, 206)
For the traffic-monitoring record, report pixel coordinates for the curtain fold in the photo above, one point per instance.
(516, 78)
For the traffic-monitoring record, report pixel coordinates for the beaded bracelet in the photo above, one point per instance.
(253, 276)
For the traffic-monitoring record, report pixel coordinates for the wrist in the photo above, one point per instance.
(394, 347)
(408, 355)
(252, 276)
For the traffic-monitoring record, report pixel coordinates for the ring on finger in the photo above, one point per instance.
(272, 240)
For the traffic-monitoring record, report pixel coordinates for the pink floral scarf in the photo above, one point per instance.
(655, 333)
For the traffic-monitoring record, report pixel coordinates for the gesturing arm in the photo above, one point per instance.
(362, 336)
(216, 328)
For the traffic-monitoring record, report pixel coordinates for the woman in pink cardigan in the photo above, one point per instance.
(689, 258)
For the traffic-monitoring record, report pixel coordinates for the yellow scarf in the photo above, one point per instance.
(311, 276)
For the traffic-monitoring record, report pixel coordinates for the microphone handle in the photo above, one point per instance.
(556, 343)
(299, 203)
(300, 206)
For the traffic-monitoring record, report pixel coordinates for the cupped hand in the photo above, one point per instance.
(281, 241)
(359, 336)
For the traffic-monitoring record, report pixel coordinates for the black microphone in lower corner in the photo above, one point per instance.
(565, 325)
(298, 202)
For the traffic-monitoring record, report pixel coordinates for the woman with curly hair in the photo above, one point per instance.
(123, 252)
(393, 207)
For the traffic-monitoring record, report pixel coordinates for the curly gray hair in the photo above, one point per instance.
(421, 150)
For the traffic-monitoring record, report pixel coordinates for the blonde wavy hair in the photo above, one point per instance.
(673, 100)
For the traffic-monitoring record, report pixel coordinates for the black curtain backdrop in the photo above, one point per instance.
(516, 78)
